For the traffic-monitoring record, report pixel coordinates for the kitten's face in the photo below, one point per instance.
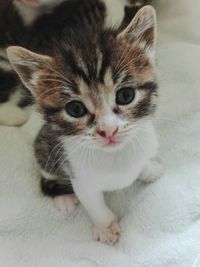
(100, 96)
(107, 111)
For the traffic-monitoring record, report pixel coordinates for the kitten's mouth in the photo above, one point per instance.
(111, 142)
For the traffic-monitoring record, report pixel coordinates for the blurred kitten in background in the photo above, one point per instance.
(18, 18)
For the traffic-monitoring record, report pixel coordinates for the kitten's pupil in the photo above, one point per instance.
(76, 109)
(125, 96)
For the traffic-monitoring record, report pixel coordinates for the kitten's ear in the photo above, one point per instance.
(142, 29)
(28, 65)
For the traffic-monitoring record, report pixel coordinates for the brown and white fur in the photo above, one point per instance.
(31, 23)
(97, 100)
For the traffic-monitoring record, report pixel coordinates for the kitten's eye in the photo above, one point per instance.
(76, 109)
(125, 96)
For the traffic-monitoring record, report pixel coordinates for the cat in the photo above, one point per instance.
(96, 90)
(20, 21)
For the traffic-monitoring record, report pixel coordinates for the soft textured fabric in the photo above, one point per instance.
(160, 221)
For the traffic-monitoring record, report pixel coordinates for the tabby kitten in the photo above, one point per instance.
(96, 91)
(32, 24)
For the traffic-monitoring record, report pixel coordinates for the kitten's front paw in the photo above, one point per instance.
(109, 235)
(66, 203)
(152, 172)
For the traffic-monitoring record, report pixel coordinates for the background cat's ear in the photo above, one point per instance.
(28, 65)
(142, 29)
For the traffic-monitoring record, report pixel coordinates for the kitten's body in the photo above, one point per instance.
(112, 143)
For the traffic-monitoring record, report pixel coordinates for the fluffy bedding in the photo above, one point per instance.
(160, 221)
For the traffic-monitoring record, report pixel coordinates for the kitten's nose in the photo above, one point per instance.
(109, 132)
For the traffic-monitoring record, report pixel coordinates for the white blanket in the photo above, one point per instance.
(160, 221)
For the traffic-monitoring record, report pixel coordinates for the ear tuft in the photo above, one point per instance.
(27, 64)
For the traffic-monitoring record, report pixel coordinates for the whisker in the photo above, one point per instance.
(46, 165)
(28, 63)
(57, 72)
(124, 54)
(47, 91)
(121, 68)
(60, 165)
(57, 161)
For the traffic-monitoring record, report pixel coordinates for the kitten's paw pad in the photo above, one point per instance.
(152, 172)
(109, 235)
(66, 203)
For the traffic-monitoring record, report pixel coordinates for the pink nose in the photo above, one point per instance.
(109, 134)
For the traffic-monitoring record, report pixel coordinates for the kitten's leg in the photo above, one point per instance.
(61, 190)
(152, 172)
(106, 229)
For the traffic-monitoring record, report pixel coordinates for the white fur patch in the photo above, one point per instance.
(47, 175)
(109, 170)
(4, 63)
(151, 172)
(10, 114)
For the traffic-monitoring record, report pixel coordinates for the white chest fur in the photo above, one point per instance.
(107, 171)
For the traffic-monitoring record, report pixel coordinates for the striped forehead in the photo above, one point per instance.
(88, 64)
(97, 95)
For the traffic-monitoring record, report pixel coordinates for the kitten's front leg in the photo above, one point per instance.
(106, 229)
(61, 190)
(151, 172)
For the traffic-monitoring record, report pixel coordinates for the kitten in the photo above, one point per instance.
(32, 23)
(19, 20)
(96, 90)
